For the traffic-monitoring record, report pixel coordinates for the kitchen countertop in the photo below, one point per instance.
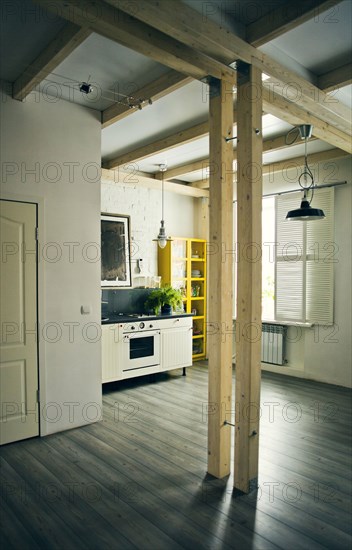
(118, 318)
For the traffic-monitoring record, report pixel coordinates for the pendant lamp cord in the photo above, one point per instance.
(162, 195)
(163, 168)
(306, 172)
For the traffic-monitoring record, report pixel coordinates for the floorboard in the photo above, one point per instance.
(137, 480)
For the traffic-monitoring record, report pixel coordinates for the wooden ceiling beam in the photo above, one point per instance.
(185, 25)
(337, 78)
(136, 180)
(328, 109)
(269, 145)
(278, 21)
(270, 26)
(287, 164)
(112, 23)
(296, 162)
(285, 18)
(272, 103)
(157, 89)
(59, 48)
(160, 146)
(291, 113)
(171, 173)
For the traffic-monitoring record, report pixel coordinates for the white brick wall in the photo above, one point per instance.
(144, 208)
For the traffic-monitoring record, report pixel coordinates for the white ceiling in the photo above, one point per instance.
(322, 43)
(115, 71)
(172, 113)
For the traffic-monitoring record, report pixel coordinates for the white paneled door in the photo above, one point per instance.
(18, 311)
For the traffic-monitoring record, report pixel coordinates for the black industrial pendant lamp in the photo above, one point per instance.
(162, 238)
(305, 212)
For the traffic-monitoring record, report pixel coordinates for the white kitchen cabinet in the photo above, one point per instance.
(172, 348)
(111, 359)
(176, 343)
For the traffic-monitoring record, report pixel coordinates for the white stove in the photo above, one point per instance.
(139, 326)
(140, 344)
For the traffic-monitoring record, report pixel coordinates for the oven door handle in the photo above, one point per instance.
(141, 334)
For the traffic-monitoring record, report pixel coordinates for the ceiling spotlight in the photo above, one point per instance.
(85, 88)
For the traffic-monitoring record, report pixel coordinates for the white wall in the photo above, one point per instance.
(324, 353)
(144, 207)
(60, 141)
(328, 349)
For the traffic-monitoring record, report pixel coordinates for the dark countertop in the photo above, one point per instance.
(116, 318)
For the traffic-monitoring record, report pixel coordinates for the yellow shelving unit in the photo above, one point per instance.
(183, 264)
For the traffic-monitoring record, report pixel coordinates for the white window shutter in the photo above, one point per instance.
(321, 256)
(304, 282)
(289, 269)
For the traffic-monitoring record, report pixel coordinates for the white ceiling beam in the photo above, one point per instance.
(336, 78)
(285, 18)
(112, 23)
(132, 179)
(59, 48)
(157, 89)
(185, 25)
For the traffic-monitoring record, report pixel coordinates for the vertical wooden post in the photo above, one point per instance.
(202, 218)
(220, 277)
(249, 276)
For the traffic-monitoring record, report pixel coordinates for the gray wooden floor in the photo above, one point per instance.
(138, 478)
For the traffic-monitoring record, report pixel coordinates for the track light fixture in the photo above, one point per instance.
(85, 88)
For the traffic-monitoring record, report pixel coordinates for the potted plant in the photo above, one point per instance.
(167, 298)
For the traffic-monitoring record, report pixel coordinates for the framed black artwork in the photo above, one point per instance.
(115, 251)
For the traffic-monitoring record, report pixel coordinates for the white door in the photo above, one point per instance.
(18, 315)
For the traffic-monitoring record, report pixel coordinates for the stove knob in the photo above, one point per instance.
(150, 326)
(133, 327)
(141, 325)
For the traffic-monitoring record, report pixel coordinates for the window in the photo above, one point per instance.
(268, 259)
(304, 263)
(297, 261)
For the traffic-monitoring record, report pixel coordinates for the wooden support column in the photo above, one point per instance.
(249, 276)
(220, 261)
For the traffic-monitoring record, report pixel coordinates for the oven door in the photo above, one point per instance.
(140, 350)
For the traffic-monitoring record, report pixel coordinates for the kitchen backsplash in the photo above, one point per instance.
(127, 300)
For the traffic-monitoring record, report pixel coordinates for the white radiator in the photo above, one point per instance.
(273, 344)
